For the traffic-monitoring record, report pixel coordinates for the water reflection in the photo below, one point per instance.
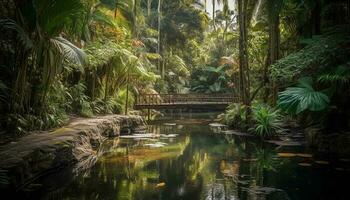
(197, 164)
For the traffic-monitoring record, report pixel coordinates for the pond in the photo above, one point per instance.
(190, 161)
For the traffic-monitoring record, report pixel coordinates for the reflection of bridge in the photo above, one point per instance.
(158, 101)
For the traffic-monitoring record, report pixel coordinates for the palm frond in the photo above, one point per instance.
(69, 50)
(339, 77)
(53, 15)
(99, 16)
(22, 36)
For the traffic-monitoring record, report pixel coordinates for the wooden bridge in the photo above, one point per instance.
(159, 101)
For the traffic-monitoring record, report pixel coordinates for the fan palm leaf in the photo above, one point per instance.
(302, 97)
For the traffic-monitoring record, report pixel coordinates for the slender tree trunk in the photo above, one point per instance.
(274, 54)
(243, 51)
(106, 83)
(205, 6)
(149, 6)
(159, 32)
(127, 94)
(213, 14)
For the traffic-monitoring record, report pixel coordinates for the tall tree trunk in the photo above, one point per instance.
(274, 48)
(149, 6)
(243, 54)
(159, 31)
(205, 6)
(213, 14)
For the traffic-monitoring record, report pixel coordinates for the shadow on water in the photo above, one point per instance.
(196, 164)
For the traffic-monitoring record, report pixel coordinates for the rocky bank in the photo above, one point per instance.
(77, 143)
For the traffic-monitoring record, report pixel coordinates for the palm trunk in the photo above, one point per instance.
(159, 32)
(213, 14)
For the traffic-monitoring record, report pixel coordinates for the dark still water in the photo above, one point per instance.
(197, 164)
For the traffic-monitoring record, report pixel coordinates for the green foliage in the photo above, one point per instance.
(3, 92)
(211, 80)
(80, 101)
(303, 97)
(266, 159)
(267, 121)
(22, 36)
(319, 53)
(4, 179)
(234, 116)
(53, 15)
(338, 78)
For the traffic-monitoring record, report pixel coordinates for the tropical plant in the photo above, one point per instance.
(337, 78)
(234, 116)
(4, 179)
(210, 79)
(79, 100)
(267, 121)
(302, 97)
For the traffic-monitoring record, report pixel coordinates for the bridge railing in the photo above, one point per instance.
(168, 99)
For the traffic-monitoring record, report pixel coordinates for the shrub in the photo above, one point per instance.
(234, 116)
(267, 121)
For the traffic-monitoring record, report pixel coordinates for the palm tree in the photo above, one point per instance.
(43, 50)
